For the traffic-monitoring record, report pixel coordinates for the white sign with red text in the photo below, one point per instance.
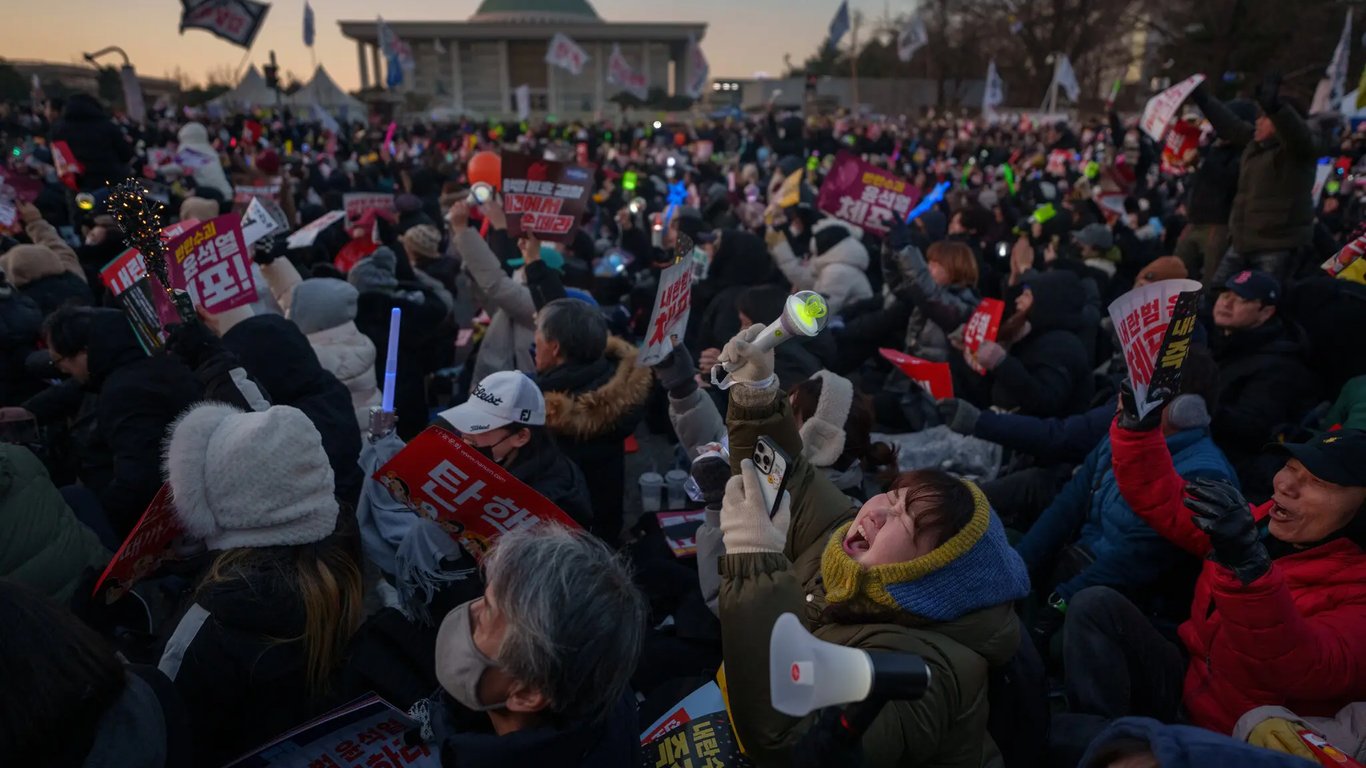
(668, 321)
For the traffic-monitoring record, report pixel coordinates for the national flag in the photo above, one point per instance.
(697, 69)
(839, 26)
(397, 54)
(1066, 79)
(308, 25)
(236, 21)
(911, 38)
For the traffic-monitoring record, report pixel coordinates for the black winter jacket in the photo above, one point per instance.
(99, 146)
(1048, 373)
(1263, 383)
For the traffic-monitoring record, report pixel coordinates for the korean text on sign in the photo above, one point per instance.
(864, 195)
(211, 263)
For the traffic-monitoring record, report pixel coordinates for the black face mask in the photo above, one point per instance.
(487, 451)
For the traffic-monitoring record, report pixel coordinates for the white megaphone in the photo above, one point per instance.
(806, 674)
(804, 314)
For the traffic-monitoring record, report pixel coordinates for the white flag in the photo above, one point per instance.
(1066, 79)
(1337, 68)
(911, 38)
(698, 70)
(621, 74)
(993, 94)
(566, 54)
(523, 96)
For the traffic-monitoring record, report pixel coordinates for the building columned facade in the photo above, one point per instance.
(475, 66)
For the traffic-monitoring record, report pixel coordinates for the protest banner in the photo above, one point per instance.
(243, 194)
(259, 221)
(706, 700)
(865, 195)
(673, 304)
(236, 21)
(122, 271)
(149, 310)
(543, 198)
(621, 74)
(148, 545)
(18, 187)
(366, 732)
(934, 377)
(983, 326)
(566, 54)
(1181, 151)
(680, 531)
(473, 499)
(306, 235)
(1171, 356)
(1141, 317)
(1161, 109)
(1345, 257)
(357, 204)
(708, 741)
(211, 263)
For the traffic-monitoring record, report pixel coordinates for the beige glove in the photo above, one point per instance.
(745, 525)
(744, 363)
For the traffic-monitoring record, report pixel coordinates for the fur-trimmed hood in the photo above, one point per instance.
(595, 412)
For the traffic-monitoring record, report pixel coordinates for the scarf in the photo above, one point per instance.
(975, 569)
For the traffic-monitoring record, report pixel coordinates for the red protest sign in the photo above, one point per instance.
(668, 321)
(360, 203)
(148, 545)
(983, 326)
(243, 193)
(212, 264)
(865, 195)
(473, 499)
(1161, 109)
(1141, 317)
(543, 197)
(934, 377)
(369, 731)
(65, 164)
(1179, 153)
(126, 268)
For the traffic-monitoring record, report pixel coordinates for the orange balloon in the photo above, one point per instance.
(486, 167)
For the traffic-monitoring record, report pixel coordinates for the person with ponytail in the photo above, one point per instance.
(256, 652)
(923, 569)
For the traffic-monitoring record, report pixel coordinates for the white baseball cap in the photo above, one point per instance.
(503, 398)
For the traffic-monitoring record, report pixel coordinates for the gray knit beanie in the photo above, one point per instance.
(1187, 412)
(375, 272)
(321, 303)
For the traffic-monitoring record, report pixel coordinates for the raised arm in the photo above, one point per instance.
(794, 269)
(1149, 483)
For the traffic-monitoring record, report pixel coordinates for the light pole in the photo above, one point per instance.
(128, 77)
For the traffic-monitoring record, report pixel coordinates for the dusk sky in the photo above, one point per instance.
(742, 35)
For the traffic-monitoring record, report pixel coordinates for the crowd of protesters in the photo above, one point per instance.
(1184, 585)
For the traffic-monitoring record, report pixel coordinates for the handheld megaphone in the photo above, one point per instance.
(806, 674)
(804, 314)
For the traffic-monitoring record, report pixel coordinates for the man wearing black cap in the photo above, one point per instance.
(1263, 380)
(1279, 615)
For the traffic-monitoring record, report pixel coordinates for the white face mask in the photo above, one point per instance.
(460, 665)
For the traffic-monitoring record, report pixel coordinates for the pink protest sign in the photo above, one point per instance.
(212, 264)
(865, 195)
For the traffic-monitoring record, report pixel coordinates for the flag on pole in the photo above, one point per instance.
(236, 21)
(839, 25)
(698, 70)
(621, 74)
(566, 54)
(911, 38)
(993, 94)
(1066, 79)
(1337, 68)
(398, 55)
(308, 25)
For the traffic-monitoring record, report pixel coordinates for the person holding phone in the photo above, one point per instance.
(924, 569)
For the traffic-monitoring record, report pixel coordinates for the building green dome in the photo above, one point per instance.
(536, 11)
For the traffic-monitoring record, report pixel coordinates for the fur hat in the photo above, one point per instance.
(422, 241)
(823, 434)
(198, 208)
(257, 479)
(23, 264)
(321, 303)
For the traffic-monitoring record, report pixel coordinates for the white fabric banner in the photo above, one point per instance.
(566, 54)
(1161, 109)
(621, 74)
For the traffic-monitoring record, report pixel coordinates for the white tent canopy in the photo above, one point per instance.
(323, 91)
(251, 92)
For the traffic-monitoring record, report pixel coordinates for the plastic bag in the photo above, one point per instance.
(942, 448)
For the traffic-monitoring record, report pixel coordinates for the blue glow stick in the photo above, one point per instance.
(933, 197)
(391, 361)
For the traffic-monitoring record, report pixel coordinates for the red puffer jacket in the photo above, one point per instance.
(1296, 637)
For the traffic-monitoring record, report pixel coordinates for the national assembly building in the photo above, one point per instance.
(475, 66)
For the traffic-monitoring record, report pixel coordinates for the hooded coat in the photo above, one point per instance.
(741, 262)
(1179, 746)
(45, 546)
(210, 175)
(100, 147)
(838, 272)
(279, 356)
(21, 325)
(945, 727)
(1295, 637)
(591, 408)
(139, 397)
(1048, 372)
